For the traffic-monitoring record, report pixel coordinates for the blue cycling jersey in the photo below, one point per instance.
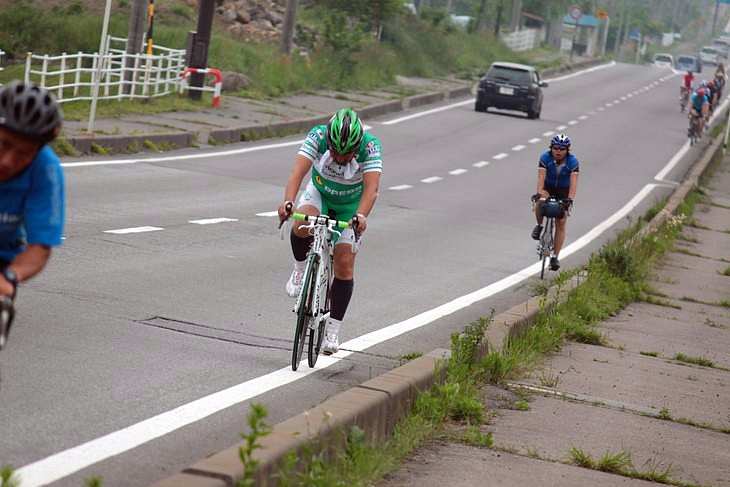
(554, 178)
(698, 101)
(32, 206)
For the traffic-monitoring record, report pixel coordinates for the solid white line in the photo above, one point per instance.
(209, 221)
(427, 112)
(432, 179)
(62, 464)
(268, 213)
(196, 155)
(400, 187)
(134, 230)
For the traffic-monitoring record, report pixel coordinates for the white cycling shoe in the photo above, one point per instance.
(294, 283)
(331, 344)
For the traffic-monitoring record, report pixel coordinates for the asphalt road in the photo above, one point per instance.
(139, 352)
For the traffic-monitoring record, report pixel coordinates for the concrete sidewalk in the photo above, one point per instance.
(237, 119)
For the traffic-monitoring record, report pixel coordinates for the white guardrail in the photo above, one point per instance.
(70, 77)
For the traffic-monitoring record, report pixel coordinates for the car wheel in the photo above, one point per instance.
(531, 114)
(480, 107)
(539, 110)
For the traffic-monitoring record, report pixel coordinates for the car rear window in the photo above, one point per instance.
(685, 59)
(663, 58)
(518, 76)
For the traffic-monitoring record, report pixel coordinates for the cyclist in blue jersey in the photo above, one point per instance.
(557, 175)
(31, 187)
(344, 166)
(699, 106)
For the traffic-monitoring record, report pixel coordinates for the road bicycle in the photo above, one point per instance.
(551, 208)
(6, 318)
(313, 302)
(693, 132)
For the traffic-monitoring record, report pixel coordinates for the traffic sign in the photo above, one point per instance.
(575, 12)
(602, 14)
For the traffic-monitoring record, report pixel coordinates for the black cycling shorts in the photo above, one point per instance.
(559, 193)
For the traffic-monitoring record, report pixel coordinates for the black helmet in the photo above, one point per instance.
(30, 111)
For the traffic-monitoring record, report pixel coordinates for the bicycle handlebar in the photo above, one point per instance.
(320, 220)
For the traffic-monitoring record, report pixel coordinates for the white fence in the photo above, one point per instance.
(521, 40)
(70, 77)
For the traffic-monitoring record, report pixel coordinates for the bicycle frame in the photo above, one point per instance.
(546, 244)
(312, 304)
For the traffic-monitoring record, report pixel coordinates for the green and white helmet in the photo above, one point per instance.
(344, 131)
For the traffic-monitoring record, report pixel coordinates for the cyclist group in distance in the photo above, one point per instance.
(702, 99)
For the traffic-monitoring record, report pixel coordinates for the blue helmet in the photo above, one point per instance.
(560, 139)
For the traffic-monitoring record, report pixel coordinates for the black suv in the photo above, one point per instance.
(511, 86)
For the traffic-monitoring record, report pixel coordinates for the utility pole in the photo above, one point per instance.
(287, 31)
(134, 41)
(516, 14)
(199, 47)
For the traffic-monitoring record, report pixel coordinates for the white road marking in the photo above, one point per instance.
(186, 157)
(431, 180)
(400, 187)
(535, 140)
(134, 230)
(458, 172)
(481, 164)
(268, 213)
(501, 156)
(518, 148)
(209, 221)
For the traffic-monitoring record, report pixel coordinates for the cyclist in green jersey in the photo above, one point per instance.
(344, 164)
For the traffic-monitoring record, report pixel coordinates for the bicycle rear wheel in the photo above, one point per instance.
(304, 311)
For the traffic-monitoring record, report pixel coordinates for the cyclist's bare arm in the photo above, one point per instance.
(26, 265)
(541, 172)
(573, 185)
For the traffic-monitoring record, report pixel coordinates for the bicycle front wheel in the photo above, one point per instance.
(316, 336)
(546, 245)
(304, 311)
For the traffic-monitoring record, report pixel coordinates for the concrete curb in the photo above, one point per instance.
(377, 405)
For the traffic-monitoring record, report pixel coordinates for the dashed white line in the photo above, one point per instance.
(501, 156)
(518, 148)
(481, 164)
(535, 140)
(267, 213)
(209, 221)
(400, 187)
(560, 127)
(457, 172)
(432, 179)
(134, 230)
(573, 122)
(583, 117)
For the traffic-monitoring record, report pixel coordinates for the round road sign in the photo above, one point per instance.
(575, 12)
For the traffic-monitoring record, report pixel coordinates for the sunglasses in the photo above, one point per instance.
(558, 147)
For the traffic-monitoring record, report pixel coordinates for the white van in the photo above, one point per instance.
(709, 55)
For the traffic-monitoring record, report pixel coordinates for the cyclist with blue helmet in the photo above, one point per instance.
(557, 175)
(344, 166)
(31, 188)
